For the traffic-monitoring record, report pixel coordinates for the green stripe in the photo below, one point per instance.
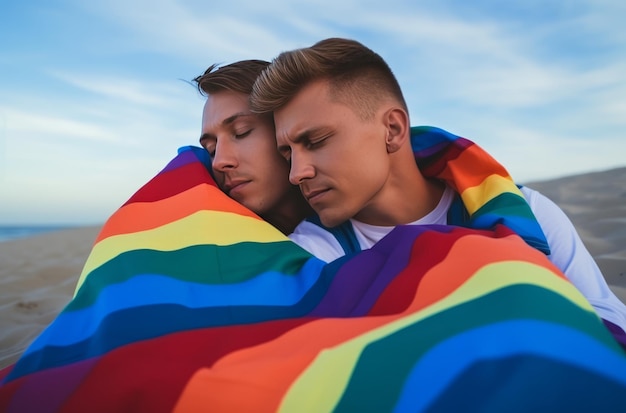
(508, 205)
(383, 367)
(206, 264)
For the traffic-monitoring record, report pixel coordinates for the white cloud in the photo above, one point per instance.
(119, 88)
(97, 102)
(21, 123)
(193, 32)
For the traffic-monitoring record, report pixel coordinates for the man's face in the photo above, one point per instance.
(243, 150)
(339, 160)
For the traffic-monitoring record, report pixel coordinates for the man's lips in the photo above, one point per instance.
(314, 195)
(234, 186)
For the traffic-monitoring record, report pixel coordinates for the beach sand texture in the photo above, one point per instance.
(38, 274)
(596, 204)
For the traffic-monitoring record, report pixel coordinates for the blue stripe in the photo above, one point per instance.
(267, 289)
(143, 323)
(440, 367)
(426, 137)
(527, 228)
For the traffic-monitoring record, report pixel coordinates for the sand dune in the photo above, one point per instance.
(37, 279)
(38, 274)
(596, 204)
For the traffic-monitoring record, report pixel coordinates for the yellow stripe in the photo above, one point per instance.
(494, 185)
(203, 227)
(329, 374)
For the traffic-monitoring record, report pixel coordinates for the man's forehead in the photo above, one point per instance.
(290, 124)
(225, 101)
(303, 134)
(225, 119)
(309, 112)
(282, 136)
(224, 108)
(286, 124)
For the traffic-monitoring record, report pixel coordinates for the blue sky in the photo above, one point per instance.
(95, 99)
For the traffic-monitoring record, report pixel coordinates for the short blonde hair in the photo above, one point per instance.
(357, 76)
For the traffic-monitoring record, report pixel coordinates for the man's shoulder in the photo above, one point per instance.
(538, 202)
(318, 239)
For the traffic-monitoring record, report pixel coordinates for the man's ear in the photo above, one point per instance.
(398, 128)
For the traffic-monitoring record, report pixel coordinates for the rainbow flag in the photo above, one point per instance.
(189, 302)
(488, 193)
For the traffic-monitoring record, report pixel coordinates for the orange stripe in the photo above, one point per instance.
(444, 273)
(141, 216)
(471, 167)
(206, 393)
(466, 257)
(258, 378)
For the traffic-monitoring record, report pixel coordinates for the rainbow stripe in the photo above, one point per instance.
(489, 194)
(189, 302)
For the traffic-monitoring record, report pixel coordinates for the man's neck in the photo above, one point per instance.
(291, 211)
(403, 203)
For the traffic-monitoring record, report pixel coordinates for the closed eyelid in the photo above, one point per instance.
(311, 135)
(206, 137)
(208, 142)
(284, 150)
(243, 131)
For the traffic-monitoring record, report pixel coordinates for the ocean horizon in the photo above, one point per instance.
(11, 232)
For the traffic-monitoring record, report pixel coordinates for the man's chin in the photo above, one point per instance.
(242, 200)
(331, 220)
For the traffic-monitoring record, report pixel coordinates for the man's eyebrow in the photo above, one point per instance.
(229, 120)
(234, 117)
(306, 135)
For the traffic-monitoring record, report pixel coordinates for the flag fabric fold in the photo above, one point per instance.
(189, 302)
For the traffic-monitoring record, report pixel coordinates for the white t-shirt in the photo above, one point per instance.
(567, 250)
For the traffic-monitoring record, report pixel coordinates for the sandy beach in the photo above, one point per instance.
(596, 204)
(38, 274)
(37, 279)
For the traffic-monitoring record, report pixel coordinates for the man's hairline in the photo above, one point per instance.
(339, 98)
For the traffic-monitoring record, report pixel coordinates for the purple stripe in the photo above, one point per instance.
(396, 247)
(425, 153)
(439, 148)
(617, 333)
(394, 251)
(463, 143)
(348, 286)
(361, 280)
(47, 390)
(184, 158)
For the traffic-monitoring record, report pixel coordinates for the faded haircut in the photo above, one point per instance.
(357, 76)
(235, 77)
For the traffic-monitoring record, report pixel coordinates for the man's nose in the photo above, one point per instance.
(225, 156)
(301, 168)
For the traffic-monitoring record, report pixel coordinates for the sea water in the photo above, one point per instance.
(11, 232)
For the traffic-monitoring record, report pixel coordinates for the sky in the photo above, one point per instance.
(95, 96)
